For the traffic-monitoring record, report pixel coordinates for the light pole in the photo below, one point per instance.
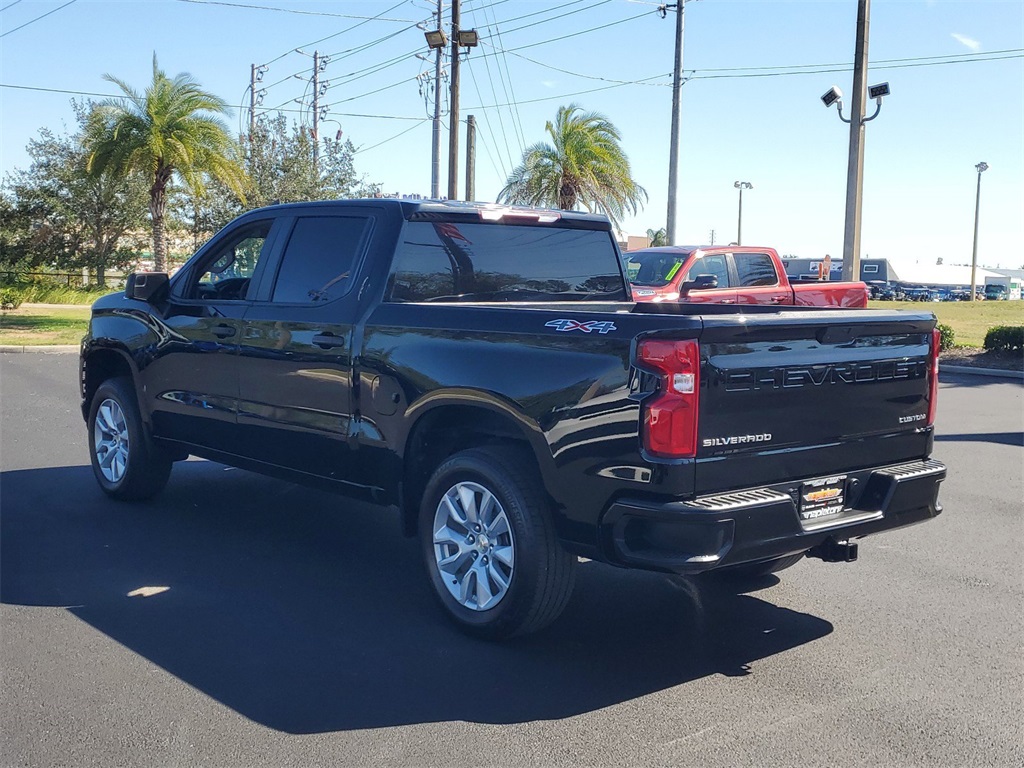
(981, 168)
(741, 185)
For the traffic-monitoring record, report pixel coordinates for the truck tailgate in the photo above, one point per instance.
(811, 394)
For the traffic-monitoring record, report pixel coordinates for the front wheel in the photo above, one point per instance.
(490, 547)
(127, 465)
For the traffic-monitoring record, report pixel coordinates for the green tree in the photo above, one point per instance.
(657, 237)
(278, 159)
(172, 129)
(584, 165)
(58, 215)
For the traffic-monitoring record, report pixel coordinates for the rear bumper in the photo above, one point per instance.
(762, 523)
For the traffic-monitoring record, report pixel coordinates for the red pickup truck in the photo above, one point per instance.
(730, 275)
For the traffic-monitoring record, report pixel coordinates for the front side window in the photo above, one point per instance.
(653, 269)
(318, 259)
(754, 269)
(226, 273)
(716, 265)
(454, 261)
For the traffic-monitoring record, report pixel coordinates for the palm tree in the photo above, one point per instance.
(657, 237)
(171, 129)
(583, 166)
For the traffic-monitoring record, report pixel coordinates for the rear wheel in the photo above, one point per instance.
(490, 547)
(127, 465)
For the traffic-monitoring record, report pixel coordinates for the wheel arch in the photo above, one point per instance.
(99, 364)
(452, 423)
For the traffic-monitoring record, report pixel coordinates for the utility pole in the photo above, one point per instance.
(712, 237)
(673, 152)
(453, 121)
(741, 185)
(981, 168)
(316, 109)
(470, 157)
(435, 158)
(855, 166)
(252, 101)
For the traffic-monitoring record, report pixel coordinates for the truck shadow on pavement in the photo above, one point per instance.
(307, 613)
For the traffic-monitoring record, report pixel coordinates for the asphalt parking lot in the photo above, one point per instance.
(297, 628)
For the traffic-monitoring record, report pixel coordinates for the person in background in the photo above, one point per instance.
(825, 268)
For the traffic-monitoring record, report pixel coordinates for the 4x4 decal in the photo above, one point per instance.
(601, 326)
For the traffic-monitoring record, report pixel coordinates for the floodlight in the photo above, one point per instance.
(436, 38)
(468, 38)
(878, 91)
(832, 96)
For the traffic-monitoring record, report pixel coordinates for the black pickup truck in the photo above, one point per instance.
(484, 370)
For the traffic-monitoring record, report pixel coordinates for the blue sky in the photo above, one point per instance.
(956, 100)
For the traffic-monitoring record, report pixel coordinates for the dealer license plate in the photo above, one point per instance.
(822, 498)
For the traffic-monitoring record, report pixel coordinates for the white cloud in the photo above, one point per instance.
(549, 83)
(971, 43)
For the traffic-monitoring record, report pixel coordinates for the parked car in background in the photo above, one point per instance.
(996, 292)
(731, 275)
(889, 292)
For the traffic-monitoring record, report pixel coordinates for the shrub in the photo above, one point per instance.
(1005, 338)
(10, 298)
(947, 338)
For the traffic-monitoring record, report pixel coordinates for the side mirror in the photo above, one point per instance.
(699, 283)
(144, 286)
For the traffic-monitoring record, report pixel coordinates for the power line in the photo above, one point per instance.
(875, 63)
(494, 94)
(574, 74)
(9, 5)
(37, 18)
(348, 29)
(847, 68)
(517, 122)
(566, 95)
(554, 18)
(232, 106)
(392, 138)
(581, 32)
(292, 10)
(487, 123)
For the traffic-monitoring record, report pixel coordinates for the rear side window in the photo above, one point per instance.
(755, 269)
(319, 258)
(454, 261)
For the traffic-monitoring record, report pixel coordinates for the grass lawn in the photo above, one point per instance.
(968, 321)
(31, 325)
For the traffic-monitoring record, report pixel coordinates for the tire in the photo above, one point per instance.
(754, 571)
(127, 465)
(510, 576)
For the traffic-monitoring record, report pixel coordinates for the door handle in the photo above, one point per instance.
(727, 301)
(777, 299)
(328, 340)
(223, 331)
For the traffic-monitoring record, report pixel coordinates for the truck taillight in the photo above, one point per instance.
(669, 427)
(933, 375)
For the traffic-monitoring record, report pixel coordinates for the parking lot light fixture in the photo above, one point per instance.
(980, 168)
(436, 38)
(741, 185)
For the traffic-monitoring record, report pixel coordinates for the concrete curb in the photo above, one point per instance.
(30, 305)
(1000, 372)
(52, 349)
